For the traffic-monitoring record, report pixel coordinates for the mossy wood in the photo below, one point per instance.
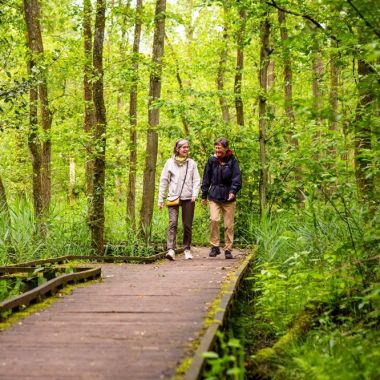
(208, 340)
(105, 259)
(48, 288)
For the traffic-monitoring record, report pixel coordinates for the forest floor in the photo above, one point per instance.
(139, 322)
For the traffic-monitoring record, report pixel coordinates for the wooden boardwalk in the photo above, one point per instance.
(138, 323)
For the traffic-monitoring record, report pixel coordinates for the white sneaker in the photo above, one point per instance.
(170, 255)
(188, 255)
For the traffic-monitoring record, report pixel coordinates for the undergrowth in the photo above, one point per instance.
(311, 303)
(68, 232)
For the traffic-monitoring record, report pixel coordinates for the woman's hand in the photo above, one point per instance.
(193, 199)
(204, 202)
(160, 205)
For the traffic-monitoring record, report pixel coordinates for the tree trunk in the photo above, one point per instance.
(271, 109)
(99, 141)
(46, 120)
(4, 209)
(146, 211)
(189, 31)
(35, 147)
(131, 192)
(288, 101)
(118, 152)
(363, 121)
(333, 99)
(239, 69)
(40, 151)
(263, 80)
(185, 123)
(334, 86)
(88, 122)
(72, 181)
(221, 69)
(288, 75)
(5, 214)
(316, 86)
(317, 78)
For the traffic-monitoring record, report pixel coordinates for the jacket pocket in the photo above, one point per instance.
(219, 193)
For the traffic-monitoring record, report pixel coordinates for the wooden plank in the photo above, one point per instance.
(105, 259)
(209, 338)
(139, 323)
(48, 287)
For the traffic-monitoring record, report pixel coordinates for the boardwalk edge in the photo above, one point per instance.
(97, 258)
(48, 288)
(208, 340)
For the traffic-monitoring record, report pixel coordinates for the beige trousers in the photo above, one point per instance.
(228, 212)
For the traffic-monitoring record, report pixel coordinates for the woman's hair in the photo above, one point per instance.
(221, 141)
(178, 144)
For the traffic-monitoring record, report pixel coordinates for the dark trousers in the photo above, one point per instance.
(187, 222)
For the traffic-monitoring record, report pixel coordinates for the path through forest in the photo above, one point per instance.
(138, 323)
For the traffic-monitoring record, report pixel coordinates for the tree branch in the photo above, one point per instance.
(273, 3)
(364, 19)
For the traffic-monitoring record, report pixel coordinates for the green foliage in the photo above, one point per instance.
(14, 285)
(322, 249)
(342, 352)
(67, 234)
(313, 263)
(228, 363)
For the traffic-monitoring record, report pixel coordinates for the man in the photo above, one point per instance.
(221, 183)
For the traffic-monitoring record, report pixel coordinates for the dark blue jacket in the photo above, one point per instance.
(220, 178)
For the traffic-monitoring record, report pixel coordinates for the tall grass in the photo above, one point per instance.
(322, 261)
(68, 233)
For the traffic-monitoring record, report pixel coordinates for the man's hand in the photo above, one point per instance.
(231, 196)
(204, 202)
(160, 205)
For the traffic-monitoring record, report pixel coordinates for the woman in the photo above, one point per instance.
(221, 182)
(180, 180)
